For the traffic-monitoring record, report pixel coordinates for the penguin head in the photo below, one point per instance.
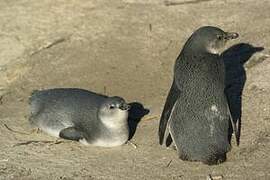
(113, 111)
(210, 39)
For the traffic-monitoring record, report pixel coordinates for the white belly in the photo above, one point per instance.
(105, 142)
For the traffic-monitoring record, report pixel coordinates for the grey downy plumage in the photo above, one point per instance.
(80, 115)
(196, 116)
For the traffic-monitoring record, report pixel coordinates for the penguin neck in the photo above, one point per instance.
(198, 53)
(198, 49)
(116, 122)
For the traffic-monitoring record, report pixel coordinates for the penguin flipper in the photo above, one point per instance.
(233, 94)
(237, 131)
(167, 110)
(71, 133)
(235, 126)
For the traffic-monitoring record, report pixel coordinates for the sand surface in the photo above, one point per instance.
(125, 48)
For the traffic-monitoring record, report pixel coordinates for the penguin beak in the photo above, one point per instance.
(124, 107)
(231, 35)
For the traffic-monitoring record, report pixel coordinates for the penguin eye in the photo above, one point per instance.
(112, 106)
(219, 37)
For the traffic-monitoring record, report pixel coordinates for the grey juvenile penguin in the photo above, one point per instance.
(80, 115)
(196, 116)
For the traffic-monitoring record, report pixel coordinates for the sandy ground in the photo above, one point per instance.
(124, 48)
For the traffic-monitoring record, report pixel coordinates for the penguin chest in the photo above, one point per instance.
(114, 141)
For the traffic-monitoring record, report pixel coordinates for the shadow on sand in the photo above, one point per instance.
(234, 59)
(136, 113)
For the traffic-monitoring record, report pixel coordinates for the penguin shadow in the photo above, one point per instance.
(136, 113)
(235, 77)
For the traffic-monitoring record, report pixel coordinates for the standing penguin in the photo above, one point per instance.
(196, 116)
(80, 115)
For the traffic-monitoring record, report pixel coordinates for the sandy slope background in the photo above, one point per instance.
(125, 48)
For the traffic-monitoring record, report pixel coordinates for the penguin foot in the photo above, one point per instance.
(132, 144)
